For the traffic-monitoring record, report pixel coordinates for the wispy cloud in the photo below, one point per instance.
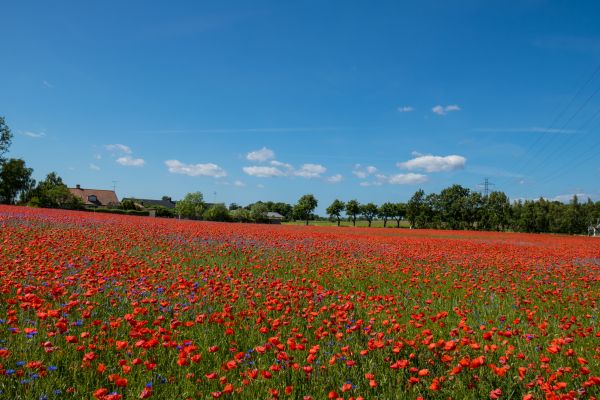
(310, 171)
(430, 163)
(34, 135)
(405, 109)
(261, 155)
(407, 179)
(128, 161)
(443, 110)
(118, 148)
(239, 184)
(94, 167)
(363, 171)
(337, 178)
(47, 84)
(261, 171)
(207, 169)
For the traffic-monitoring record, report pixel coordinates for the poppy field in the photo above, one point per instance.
(98, 306)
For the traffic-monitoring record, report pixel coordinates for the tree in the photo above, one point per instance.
(369, 211)
(240, 215)
(399, 213)
(53, 193)
(352, 210)
(192, 206)
(415, 207)
(5, 139)
(305, 206)
(453, 202)
(15, 180)
(217, 212)
(387, 211)
(496, 211)
(258, 212)
(335, 210)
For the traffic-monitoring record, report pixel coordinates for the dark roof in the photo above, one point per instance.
(164, 202)
(95, 197)
(274, 215)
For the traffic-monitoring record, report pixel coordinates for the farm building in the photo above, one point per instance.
(274, 217)
(95, 197)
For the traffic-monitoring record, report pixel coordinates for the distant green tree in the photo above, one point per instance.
(53, 193)
(414, 208)
(192, 206)
(453, 206)
(217, 212)
(305, 207)
(5, 139)
(335, 210)
(128, 205)
(234, 206)
(240, 215)
(399, 213)
(15, 180)
(369, 211)
(352, 210)
(496, 211)
(387, 211)
(258, 212)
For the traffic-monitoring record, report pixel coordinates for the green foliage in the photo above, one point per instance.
(217, 212)
(258, 212)
(415, 207)
(240, 215)
(53, 193)
(352, 210)
(128, 205)
(369, 211)
(5, 139)
(387, 211)
(335, 210)
(15, 180)
(305, 207)
(192, 206)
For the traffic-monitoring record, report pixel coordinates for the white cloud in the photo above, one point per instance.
(35, 135)
(261, 155)
(407, 179)
(129, 161)
(94, 167)
(441, 110)
(118, 148)
(208, 169)
(239, 184)
(405, 109)
(287, 166)
(430, 163)
(260, 186)
(363, 172)
(337, 178)
(310, 171)
(97, 157)
(263, 172)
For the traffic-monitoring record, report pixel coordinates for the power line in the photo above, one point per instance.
(558, 117)
(486, 187)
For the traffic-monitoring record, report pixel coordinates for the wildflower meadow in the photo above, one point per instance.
(107, 307)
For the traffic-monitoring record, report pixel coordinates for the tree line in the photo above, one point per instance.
(455, 207)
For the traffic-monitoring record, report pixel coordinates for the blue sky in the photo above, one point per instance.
(271, 100)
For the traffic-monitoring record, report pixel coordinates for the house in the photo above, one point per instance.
(165, 202)
(274, 217)
(95, 197)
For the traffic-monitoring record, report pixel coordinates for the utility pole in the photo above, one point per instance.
(486, 187)
(115, 186)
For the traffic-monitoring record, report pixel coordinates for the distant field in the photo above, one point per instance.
(361, 224)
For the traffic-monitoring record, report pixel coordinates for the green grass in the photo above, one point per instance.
(359, 223)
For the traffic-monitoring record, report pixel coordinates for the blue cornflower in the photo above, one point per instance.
(20, 363)
(10, 371)
(52, 368)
